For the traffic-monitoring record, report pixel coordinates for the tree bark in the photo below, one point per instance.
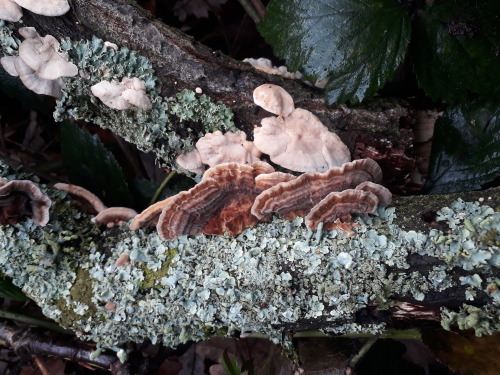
(68, 267)
(379, 129)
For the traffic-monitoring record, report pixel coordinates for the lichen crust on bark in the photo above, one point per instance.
(273, 276)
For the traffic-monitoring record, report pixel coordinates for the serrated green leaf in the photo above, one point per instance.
(91, 165)
(230, 364)
(358, 44)
(10, 291)
(456, 49)
(465, 149)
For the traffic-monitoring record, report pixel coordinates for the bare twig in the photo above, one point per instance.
(30, 341)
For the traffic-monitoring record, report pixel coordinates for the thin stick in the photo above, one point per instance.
(250, 10)
(33, 321)
(162, 186)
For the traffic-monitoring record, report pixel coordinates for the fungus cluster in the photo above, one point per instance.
(40, 65)
(10, 10)
(129, 92)
(217, 148)
(236, 195)
(19, 198)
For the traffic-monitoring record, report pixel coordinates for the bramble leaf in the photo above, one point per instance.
(357, 44)
(456, 50)
(92, 166)
(466, 149)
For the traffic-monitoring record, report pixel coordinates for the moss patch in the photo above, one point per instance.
(152, 278)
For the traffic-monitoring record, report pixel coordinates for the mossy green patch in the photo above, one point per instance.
(152, 279)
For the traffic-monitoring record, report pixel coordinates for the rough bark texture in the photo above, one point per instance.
(395, 271)
(380, 129)
(288, 278)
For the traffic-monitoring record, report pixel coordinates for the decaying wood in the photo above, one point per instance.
(380, 129)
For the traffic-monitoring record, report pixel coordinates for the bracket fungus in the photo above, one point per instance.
(217, 148)
(220, 203)
(40, 65)
(114, 216)
(274, 99)
(338, 206)
(19, 198)
(45, 7)
(89, 198)
(10, 11)
(298, 196)
(296, 140)
(129, 92)
(149, 217)
(191, 161)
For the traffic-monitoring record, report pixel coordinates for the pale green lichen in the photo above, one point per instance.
(170, 128)
(483, 320)
(269, 277)
(8, 42)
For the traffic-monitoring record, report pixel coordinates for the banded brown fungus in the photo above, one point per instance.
(297, 197)
(220, 203)
(90, 200)
(19, 198)
(114, 216)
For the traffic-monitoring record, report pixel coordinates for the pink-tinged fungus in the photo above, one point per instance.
(20, 198)
(110, 306)
(45, 7)
(220, 203)
(300, 142)
(267, 66)
(123, 260)
(338, 206)
(40, 65)
(129, 92)
(114, 216)
(298, 196)
(383, 194)
(149, 217)
(268, 180)
(274, 99)
(191, 161)
(217, 148)
(10, 11)
(90, 200)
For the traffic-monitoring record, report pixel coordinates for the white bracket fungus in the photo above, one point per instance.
(10, 11)
(130, 92)
(39, 65)
(45, 7)
(296, 139)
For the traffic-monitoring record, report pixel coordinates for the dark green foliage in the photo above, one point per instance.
(91, 165)
(358, 44)
(466, 148)
(455, 49)
(10, 291)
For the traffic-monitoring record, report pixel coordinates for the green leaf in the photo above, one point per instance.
(455, 49)
(358, 44)
(10, 291)
(230, 365)
(90, 165)
(466, 149)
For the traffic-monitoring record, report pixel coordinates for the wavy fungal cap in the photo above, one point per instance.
(10, 11)
(45, 7)
(300, 142)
